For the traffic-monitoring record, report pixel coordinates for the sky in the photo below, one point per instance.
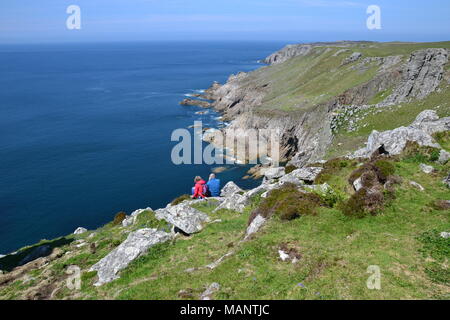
(31, 21)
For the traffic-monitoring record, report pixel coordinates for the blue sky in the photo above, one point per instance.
(284, 20)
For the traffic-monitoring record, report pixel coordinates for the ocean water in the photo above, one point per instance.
(85, 129)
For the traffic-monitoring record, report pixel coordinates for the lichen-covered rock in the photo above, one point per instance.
(274, 173)
(444, 157)
(207, 294)
(355, 56)
(447, 180)
(134, 246)
(254, 226)
(229, 189)
(236, 202)
(426, 169)
(80, 230)
(394, 141)
(130, 220)
(184, 217)
(308, 174)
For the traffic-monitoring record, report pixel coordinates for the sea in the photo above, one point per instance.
(85, 129)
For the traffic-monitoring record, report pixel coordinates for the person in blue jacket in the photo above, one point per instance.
(213, 186)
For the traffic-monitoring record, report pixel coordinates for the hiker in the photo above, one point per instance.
(213, 186)
(200, 189)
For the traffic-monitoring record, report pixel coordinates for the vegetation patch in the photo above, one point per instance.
(180, 199)
(288, 203)
(436, 250)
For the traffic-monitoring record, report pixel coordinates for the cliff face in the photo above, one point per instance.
(306, 86)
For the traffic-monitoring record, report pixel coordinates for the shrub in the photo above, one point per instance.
(119, 217)
(331, 168)
(180, 199)
(384, 169)
(363, 203)
(288, 203)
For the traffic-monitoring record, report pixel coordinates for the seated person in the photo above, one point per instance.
(200, 188)
(213, 186)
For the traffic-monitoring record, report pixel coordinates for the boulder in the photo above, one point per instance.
(308, 174)
(445, 235)
(394, 141)
(229, 189)
(184, 217)
(274, 173)
(254, 226)
(131, 219)
(444, 157)
(234, 202)
(416, 185)
(80, 230)
(134, 246)
(355, 56)
(447, 180)
(426, 169)
(207, 294)
(357, 184)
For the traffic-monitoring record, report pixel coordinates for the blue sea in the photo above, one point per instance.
(85, 129)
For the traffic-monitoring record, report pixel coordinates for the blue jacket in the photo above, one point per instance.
(214, 187)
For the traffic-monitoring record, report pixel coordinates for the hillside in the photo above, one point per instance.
(349, 199)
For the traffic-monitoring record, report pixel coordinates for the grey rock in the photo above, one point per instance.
(274, 173)
(421, 75)
(80, 230)
(130, 220)
(184, 217)
(308, 174)
(357, 184)
(207, 294)
(38, 252)
(426, 169)
(234, 202)
(416, 185)
(254, 227)
(394, 141)
(135, 245)
(230, 189)
(444, 157)
(447, 180)
(355, 56)
(445, 235)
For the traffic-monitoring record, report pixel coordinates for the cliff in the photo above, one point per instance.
(317, 93)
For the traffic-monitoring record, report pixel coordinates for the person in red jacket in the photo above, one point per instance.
(200, 188)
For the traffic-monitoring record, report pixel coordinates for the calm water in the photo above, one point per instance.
(85, 129)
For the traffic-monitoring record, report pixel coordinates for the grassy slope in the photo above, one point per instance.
(335, 250)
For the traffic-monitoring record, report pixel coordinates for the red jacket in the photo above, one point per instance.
(198, 190)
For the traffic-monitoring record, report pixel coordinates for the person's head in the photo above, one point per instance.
(212, 176)
(197, 179)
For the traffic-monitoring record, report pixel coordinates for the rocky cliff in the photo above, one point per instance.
(306, 87)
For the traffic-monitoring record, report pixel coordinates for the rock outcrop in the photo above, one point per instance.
(183, 217)
(230, 189)
(394, 141)
(134, 246)
(80, 230)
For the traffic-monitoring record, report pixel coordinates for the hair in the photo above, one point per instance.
(197, 178)
(212, 176)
